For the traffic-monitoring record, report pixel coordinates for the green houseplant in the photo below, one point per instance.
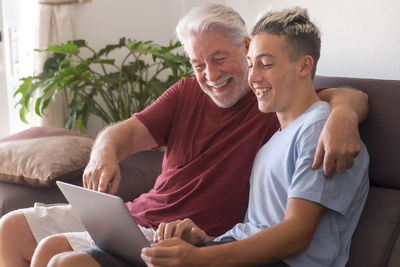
(98, 85)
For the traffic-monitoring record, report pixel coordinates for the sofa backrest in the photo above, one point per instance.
(381, 129)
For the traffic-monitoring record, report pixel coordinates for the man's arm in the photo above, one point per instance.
(113, 144)
(340, 140)
(291, 236)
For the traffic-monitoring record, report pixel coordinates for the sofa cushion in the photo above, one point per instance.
(380, 130)
(39, 156)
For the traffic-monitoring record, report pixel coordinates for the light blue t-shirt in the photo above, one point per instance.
(282, 170)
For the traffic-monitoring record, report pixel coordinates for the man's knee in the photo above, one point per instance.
(59, 260)
(72, 259)
(54, 244)
(15, 230)
(13, 225)
(48, 248)
(10, 219)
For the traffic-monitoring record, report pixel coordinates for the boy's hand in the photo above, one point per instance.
(173, 252)
(185, 229)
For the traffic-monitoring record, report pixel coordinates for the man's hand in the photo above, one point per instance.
(113, 144)
(185, 229)
(102, 173)
(173, 252)
(339, 142)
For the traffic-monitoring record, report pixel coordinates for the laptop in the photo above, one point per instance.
(108, 222)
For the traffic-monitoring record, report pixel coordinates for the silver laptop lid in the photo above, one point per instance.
(107, 220)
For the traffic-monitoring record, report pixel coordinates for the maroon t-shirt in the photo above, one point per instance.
(208, 159)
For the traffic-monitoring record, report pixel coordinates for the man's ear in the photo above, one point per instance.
(306, 65)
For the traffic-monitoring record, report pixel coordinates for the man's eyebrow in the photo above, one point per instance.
(219, 52)
(194, 61)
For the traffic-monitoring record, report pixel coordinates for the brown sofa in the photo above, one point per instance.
(376, 241)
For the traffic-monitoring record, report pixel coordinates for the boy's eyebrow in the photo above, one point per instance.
(263, 55)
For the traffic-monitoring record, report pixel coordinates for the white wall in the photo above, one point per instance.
(102, 21)
(360, 38)
(4, 128)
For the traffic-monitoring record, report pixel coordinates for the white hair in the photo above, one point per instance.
(211, 17)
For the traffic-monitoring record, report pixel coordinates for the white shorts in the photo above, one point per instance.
(45, 220)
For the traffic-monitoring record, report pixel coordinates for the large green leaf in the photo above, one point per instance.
(109, 48)
(69, 48)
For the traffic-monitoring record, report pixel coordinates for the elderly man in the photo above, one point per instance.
(212, 130)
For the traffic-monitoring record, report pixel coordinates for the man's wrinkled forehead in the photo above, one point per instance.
(199, 36)
(208, 42)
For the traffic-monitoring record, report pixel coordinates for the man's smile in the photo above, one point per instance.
(219, 84)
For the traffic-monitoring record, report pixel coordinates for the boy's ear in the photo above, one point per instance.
(247, 43)
(306, 65)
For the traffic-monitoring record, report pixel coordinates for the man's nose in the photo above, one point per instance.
(212, 73)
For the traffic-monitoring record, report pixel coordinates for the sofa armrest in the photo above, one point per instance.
(139, 172)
